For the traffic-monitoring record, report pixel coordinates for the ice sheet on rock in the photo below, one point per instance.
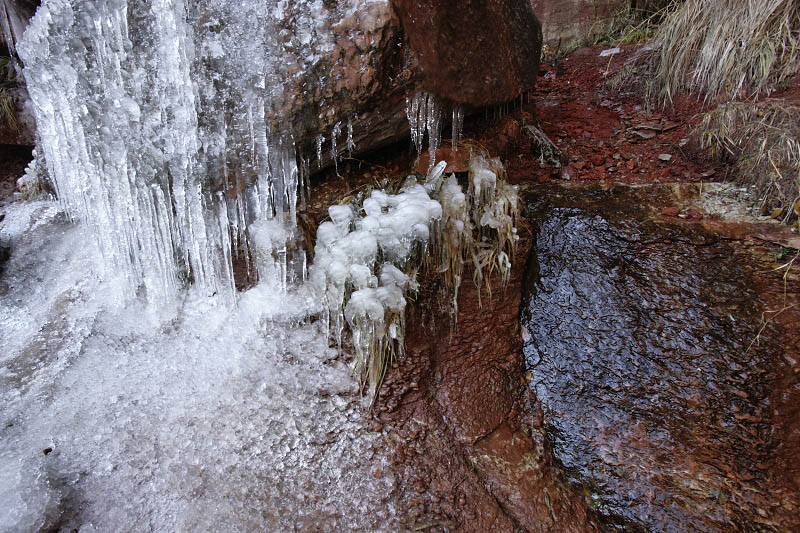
(196, 418)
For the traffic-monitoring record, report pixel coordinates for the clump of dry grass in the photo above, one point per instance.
(741, 49)
(8, 101)
(763, 141)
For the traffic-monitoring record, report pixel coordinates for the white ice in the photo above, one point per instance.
(190, 417)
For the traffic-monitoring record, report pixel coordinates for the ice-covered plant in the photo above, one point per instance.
(495, 207)
(367, 255)
(359, 244)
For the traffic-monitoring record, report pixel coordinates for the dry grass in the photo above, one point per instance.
(763, 141)
(8, 110)
(8, 103)
(720, 49)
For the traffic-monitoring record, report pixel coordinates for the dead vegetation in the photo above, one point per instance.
(719, 50)
(761, 139)
(8, 103)
(632, 25)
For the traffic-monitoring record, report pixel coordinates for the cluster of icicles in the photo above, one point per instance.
(156, 122)
(368, 254)
(424, 112)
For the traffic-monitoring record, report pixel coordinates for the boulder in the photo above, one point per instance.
(474, 52)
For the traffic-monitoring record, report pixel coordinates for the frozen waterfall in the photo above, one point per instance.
(161, 127)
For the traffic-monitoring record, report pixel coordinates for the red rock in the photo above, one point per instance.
(694, 214)
(670, 212)
(456, 159)
(597, 159)
(474, 52)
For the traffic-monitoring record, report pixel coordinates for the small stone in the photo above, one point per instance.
(665, 157)
(610, 52)
(645, 134)
(694, 214)
(671, 212)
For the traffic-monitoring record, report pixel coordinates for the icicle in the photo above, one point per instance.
(457, 126)
(306, 169)
(351, 145)
(424, 113)
(320, 139)
(416, 112)
(434, 125)
(335, 132)
(302, 174)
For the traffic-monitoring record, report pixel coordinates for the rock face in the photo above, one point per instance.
(569, 23)
(474, 52)
(466, 457)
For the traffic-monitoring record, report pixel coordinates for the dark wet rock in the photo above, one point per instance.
(661, 407)
(472, 51)
(5, 253)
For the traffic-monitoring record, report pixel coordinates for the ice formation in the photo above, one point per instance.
(367, 255)
(424, 112)
(355, 286)
(198, 418)
(161, 124)
(457, 125)
(351, 144)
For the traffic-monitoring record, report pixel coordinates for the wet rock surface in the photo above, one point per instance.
(670, 403)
